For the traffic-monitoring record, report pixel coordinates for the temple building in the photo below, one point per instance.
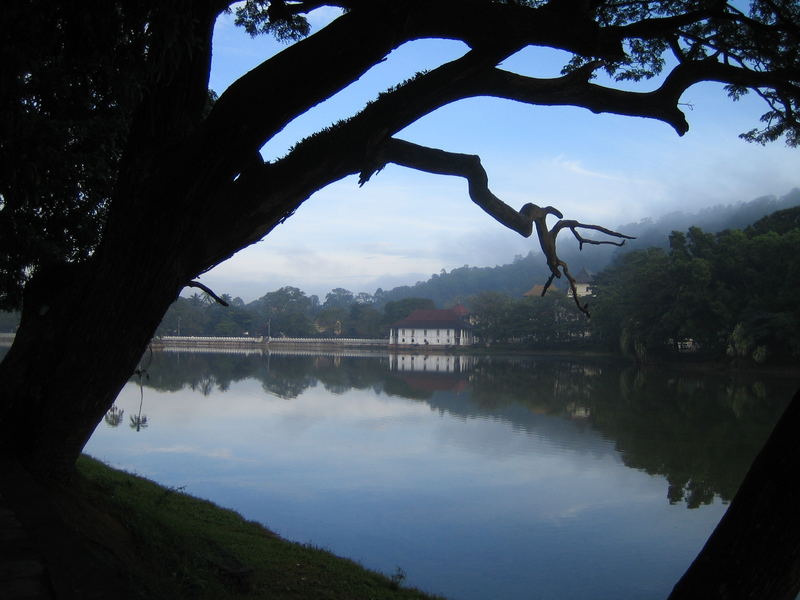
(448, 327)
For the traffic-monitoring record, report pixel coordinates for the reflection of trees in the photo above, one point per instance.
(138, 422)
(357, 374)
(699, 430)
(114, 416)
(554, 387)
(172, 371)
(205, 385)
(284, 376)
(288, 376)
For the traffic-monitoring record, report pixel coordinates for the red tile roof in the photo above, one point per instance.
(536, 290)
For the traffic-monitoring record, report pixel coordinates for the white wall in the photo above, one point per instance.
(429, 337)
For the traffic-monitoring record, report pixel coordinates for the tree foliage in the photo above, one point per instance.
(730, 293)
(288, 312)
(65, 110)
(103, 240)
(70, 109)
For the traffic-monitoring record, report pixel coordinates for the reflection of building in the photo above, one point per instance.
(447, 327)
(429, 373)
(430, 363)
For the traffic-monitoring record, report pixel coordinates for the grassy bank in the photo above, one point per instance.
(176, 546)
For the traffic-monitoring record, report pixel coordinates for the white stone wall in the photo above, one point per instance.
(429, 337)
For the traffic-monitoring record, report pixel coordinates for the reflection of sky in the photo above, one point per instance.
(468, 507)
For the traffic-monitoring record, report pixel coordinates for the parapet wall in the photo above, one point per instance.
(174, 341)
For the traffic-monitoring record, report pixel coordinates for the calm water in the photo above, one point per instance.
(480, 477)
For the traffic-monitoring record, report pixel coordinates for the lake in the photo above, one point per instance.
(480, 477)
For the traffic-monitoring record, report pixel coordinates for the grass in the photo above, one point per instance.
(173, 545)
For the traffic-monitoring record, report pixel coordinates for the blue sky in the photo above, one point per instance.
(603, 169)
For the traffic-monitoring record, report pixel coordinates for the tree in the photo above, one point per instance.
(364, 321)
(284, 312)
(120, 184)
(724, 291)
(330, 321)
(490, 311)
(400, 309)
(338, 298)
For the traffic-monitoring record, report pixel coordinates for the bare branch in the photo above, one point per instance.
(468, 166)
(207, 290)
(575, 225)
(431, 160)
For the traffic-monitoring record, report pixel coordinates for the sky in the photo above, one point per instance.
(602, 169)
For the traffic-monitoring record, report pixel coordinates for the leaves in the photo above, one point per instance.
(272, 17)
(730, 292)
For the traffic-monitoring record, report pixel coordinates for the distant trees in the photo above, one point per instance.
(286, 311)
(339, 298)
(289, 312)
(455, 286)
(727, 294)
(199, 315)
(400, 309)
(531, 321)
(730, 293)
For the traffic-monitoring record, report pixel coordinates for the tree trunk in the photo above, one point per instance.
(754, 553)
(83, 330)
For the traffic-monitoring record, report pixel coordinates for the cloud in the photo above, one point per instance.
(316, 271)
(219, 453)
(575, 166)
(404, 225)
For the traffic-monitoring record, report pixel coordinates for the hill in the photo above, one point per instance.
(449, 288)
(514, 279)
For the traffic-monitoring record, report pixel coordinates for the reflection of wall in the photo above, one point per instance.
(431, 363)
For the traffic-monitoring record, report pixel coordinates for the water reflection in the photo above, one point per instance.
(699, 430)
(114, 416)
(480, 476)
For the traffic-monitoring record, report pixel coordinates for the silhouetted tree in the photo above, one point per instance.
(120, 184)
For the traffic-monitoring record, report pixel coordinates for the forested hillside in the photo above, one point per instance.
(447, 288)
(731, 293)
(453, 287)
(290, 311)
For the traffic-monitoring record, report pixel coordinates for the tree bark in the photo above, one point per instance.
(82, 334)
(754, 553)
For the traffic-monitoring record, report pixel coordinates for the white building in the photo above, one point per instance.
(432, 328)
(583, 284)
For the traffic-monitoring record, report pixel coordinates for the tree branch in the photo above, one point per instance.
(267, 194)
(313, 69)
(440, 162)
(660, 27)
(207, 290)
